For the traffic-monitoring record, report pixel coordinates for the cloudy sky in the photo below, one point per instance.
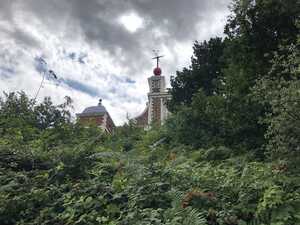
(100, 48)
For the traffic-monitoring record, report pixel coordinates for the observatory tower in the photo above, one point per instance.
(156, 111)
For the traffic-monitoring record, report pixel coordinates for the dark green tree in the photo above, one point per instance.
(17, 117)
(49, 115)
(279, 91)
(205, 72)
(255, 31)
(227, 72)
(22, 119)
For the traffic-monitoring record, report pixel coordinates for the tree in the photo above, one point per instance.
(255, 31)
(22, 120)
(226, 71)
(49, 115)
(279, 92)
(205, 72)
(202, 124)
(17, 117)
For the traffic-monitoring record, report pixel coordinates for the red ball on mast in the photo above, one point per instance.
(157, 71)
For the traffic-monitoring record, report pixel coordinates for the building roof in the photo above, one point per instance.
(93, 111)
(142, 119)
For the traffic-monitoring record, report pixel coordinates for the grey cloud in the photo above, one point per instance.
(96, 92)
(177, 17)
(95, 23)
(129, 81)
(178, 20)
(6, 9)
(92, 91)
(6, 72)
(23, 38)
(8, 62)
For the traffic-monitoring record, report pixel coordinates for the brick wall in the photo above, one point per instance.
(109, 125)
(142, 120)
(156, 110)
(91, 120)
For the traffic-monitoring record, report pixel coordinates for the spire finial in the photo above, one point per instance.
(157, 57)
(157, 70)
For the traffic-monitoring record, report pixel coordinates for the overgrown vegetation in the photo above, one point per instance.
(229, 155)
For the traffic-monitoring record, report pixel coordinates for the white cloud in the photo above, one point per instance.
(131, 21)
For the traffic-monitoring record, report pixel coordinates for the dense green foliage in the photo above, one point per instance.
(229, 155)
(230, 114)
(87, 177)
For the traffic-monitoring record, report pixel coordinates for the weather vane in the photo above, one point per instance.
(157, 57)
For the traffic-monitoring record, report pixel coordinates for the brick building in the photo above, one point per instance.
(96, 115)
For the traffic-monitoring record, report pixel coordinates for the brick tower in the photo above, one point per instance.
(156, 111)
